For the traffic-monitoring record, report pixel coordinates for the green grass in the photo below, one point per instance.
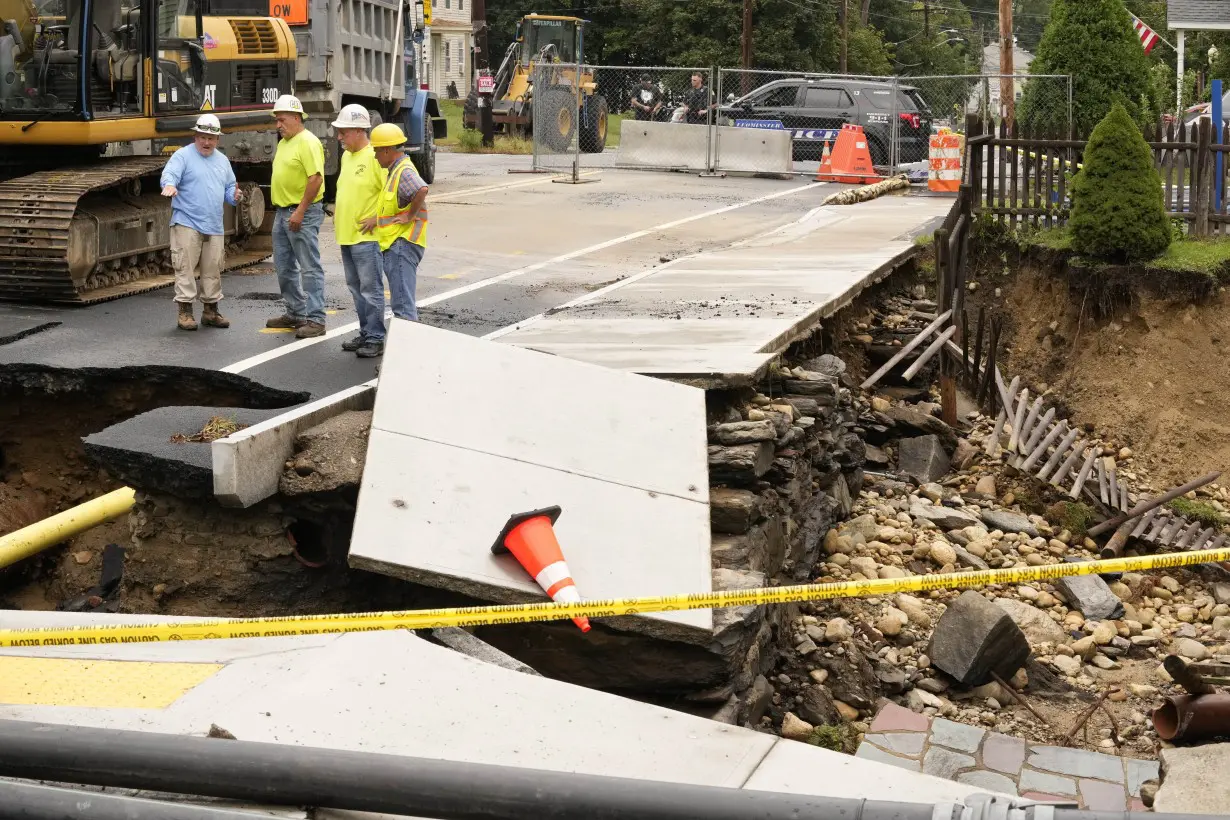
(1208, 256)
(452, 111)
(1055, 239)
(457, 134)
(1201, 511)
(471, 142)
(924, 239)
(1075, 517)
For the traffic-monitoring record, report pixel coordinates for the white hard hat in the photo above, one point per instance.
(289, 104)
(352, 116)
(208, 124)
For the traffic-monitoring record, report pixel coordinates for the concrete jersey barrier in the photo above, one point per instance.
(686, 147)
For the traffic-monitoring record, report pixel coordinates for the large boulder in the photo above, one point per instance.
(974, 638)
(922, 458)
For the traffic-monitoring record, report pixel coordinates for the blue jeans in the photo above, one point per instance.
(362, 263)
(401, 265)
(296, 255)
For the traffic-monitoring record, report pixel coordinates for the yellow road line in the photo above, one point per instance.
(525, 613)
(98, 684)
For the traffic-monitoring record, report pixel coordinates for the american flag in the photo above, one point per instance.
(1148, 37)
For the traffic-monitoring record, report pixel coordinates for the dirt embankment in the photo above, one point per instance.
(1151, 376)
(44, 414)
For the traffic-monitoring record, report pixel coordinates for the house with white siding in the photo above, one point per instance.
(452, 41)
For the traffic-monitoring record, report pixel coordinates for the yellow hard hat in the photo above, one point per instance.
(387, 135)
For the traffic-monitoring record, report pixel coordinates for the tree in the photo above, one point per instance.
(1118, 211)
(1093, 42)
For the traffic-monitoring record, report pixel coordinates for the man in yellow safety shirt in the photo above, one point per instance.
(400, 223)
(358, 194)
(297, 188)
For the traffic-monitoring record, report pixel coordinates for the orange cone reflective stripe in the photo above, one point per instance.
(530, 537)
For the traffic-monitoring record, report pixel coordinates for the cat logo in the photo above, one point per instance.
(211, 98)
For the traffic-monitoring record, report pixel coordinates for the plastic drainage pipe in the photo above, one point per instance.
(60, 527)
(29, 801)
(269, 773)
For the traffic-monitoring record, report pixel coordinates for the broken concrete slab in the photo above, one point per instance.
(623, 455)
(443, 707)
(922, 458)
(1194, 780)
(973, 638)
(247, 465)
(140, 451)
(1092, 596)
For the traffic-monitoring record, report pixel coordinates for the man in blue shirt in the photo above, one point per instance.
(198, 178)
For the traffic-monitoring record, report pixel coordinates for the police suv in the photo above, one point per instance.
(814, 110)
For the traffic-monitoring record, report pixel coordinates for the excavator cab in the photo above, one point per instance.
(101, 59)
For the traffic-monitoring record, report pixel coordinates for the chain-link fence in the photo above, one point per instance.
(898, 115)
(767, 122)
(556, 111)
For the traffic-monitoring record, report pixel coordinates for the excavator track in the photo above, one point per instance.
(87, 234)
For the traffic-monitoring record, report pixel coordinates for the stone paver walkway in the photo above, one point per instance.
(1000, 763)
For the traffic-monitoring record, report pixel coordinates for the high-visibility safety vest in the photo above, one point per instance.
(387, 231)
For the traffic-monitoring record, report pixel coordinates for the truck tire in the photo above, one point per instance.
(556, 117)
(425, 161)
(594, 124)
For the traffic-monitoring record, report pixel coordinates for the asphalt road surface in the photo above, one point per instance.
(502, 247)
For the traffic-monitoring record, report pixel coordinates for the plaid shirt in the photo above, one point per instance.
(409, 184)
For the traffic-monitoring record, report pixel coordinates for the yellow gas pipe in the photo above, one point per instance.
(60, 527)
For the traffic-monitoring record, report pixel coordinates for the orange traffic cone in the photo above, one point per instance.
(826, 165)
(851, 161)
(530, 537)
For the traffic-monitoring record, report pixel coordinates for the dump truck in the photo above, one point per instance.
(541, 52)
(355, 51)
(94, 95)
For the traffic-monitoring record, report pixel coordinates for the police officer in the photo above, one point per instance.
(297, 188)
(358, 192)
(400, 223)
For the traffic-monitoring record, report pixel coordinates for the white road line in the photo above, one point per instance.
(589, 297)
(270, 355)
(443, 197)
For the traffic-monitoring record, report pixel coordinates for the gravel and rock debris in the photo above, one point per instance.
(935, 503)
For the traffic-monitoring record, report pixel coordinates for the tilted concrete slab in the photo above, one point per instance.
(247, 464)
(715, 319)
(395, 693)
(466, 433)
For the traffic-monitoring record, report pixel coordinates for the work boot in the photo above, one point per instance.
(309, 329)
(285, 321)
(353, 344)
(212, 317)
(370, 350)
(186, 322)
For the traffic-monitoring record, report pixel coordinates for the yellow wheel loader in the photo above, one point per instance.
(94, 97)
(544, 54)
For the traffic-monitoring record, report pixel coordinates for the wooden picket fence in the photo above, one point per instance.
(1022, 178)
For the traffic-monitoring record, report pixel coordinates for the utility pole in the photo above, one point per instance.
(1007, 84)
(926, 19)
(842, 16)
(746, 84)
(478, 18)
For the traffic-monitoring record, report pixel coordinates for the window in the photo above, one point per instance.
(780, 97)
(826, 98)
(448, 4)
(448, 62)
(461, 5)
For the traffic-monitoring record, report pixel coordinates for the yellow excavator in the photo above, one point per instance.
(540, 53)
(94, 97)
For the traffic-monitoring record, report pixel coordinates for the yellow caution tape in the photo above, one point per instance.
(526, 613)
